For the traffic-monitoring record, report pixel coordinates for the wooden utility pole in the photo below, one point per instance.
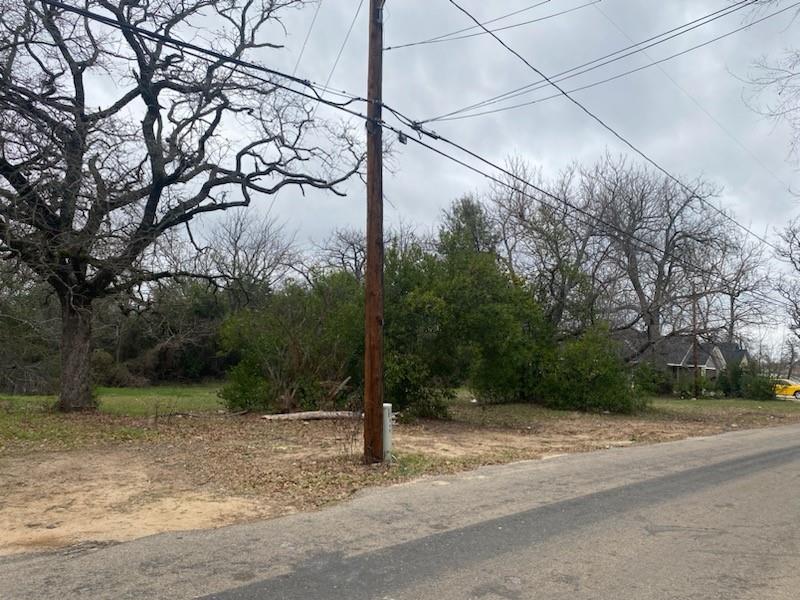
(373, 339)
(695, 345)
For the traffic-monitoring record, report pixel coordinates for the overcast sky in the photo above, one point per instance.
(654, 112)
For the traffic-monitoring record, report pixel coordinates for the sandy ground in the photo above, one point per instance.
(204, 473)
(59, 499)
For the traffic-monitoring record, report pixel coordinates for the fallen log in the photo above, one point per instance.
(314, 415)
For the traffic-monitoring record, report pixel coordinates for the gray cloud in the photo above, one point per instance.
(646, 107)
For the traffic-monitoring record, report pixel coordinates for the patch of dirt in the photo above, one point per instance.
(213, 471)
(581, 434)
(59, 499)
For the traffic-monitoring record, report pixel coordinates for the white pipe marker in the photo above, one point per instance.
(387, 432)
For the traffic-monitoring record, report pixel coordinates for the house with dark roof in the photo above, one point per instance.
(675, 354)
(735, 355)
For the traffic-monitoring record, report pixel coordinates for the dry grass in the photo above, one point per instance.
(116, 476)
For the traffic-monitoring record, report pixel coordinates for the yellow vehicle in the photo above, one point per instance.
(786, 387)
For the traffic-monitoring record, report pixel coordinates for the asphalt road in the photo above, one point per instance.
(708, 518)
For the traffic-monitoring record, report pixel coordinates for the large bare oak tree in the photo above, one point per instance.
(109, 140)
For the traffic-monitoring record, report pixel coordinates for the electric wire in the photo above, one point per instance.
(602, 61)
(702, 107)
(606, 80)
(308, 36)
(444, 38)
(184, 45)
(581, 88)
(339, 54)
(464, 29)
(206, 54)
(470, 28)
(344, 43)
(618, 135)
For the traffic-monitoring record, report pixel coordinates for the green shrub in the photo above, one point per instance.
(730, 381)
(684, 388)
(651, 381)
(514, 344)
(724, 384)
(409, 387)
(298, 348)
(756, 386)
(109, 373)
(246, 389)
(588, 375)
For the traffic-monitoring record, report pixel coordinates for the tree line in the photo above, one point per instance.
(117, 139)
(516, 295)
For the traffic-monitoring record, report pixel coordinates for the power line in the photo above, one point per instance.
(458, 117)
(470, 28)
(700, 106)
(344, 43)
(204, 54)
(447, 37)
(602, 61)
(587, 214)
(308, 36)
(616, 133)
(653, 62)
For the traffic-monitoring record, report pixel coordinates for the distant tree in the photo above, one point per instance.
(776, 83)
(556, 249)
(250, 254)
(789, 288)
(467, 227)
(28, 315)
(744, 280)
(345, 249)
(109, 140)
(661, 234)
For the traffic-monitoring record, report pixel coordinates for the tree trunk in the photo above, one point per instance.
(732, 317)
(76, 377)
(653, 320)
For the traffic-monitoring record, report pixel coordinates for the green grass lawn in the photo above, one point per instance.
(159, 400)
(130, 402)
(521, 414)
(31, 420)
(724, 407)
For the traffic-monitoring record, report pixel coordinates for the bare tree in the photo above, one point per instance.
(344, 250)
(789, 287)
(551, 245)
(109, 139)
(775, 81)
(744, 279)
(661, 234)
(252, 255)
